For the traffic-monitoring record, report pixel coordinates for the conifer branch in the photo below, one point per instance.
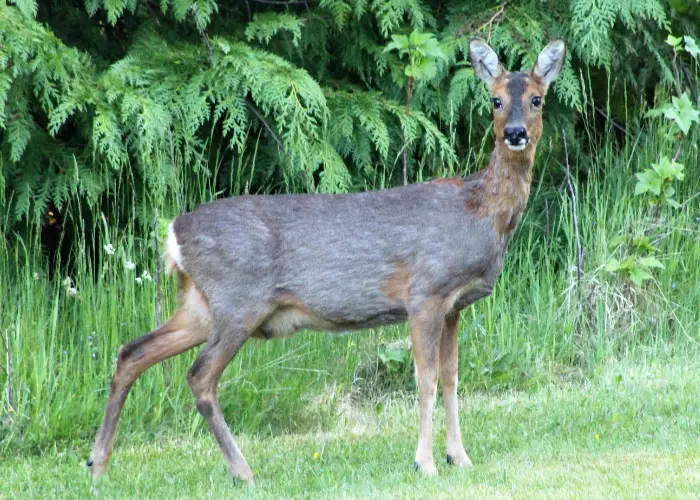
(203, 34)
(283, 2)
(267, 126)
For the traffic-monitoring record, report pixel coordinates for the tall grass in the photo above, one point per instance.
(63, 331)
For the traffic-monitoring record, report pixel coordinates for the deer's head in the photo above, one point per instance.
(517, 97)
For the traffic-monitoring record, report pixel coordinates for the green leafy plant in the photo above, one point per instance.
(683, 43)
(423, 51)
(657, 182)
(691, 47)
(680, 111)
(639, 260)
(395, 357)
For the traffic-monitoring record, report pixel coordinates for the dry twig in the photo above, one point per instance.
(490, 22)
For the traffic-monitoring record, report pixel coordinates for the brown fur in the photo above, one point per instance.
(502, 189)
(457, 182)
(448, 378)
(426, 332)
(397, 285)
(532, 115)
(287, 316)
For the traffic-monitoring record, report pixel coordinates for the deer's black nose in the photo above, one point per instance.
(515, 135)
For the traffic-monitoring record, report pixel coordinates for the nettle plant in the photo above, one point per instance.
(640, 260)
(657, 183)
(423, 51)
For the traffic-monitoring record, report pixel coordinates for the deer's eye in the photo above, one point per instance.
(497, 103)
(537, 101)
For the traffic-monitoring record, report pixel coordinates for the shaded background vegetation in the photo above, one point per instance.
(111, 110)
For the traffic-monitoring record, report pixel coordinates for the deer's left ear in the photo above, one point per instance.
(550, 61)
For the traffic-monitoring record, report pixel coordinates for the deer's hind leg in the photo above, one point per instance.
(188, 327)
(203, 379)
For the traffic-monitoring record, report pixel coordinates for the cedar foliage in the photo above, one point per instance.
(104, 97)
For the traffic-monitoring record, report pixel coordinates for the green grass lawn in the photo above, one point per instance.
(632, 430)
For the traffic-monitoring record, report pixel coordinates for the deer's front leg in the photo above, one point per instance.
(448, 377)
(426, 326)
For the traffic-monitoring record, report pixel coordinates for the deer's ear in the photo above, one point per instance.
(550, 61)
(484, 60)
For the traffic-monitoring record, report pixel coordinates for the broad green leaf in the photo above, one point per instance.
(432, 49)
(649, 180)
(418, 39)
(691, 47)
(426, 69)
(674, 41)
(628, 263)
(656, 111)
(650, 262)
(642, 243)
(616, 242)
(682, 112)
(668, 169)
(613, 265)
(399, 43)
(639, 275)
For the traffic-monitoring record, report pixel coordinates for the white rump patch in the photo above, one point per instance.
(173, 256)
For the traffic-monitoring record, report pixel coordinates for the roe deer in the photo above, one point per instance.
(267, 266)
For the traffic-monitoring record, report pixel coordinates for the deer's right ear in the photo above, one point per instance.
(484, 60)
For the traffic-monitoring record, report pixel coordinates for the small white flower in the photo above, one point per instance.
(139, 281)
(146, 276)
(72, 292)
(109, 249)
(67, 282)
(129, 265)
(36, 276)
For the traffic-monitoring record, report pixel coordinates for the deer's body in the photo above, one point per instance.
(267, 266)
(339, 262)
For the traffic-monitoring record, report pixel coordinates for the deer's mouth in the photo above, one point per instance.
(517, 144)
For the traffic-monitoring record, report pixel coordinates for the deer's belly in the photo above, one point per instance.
(286, 321)
(469, 294)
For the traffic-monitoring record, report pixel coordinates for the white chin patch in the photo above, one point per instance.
(519, 147)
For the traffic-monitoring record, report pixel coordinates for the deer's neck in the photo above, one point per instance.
(504, 188)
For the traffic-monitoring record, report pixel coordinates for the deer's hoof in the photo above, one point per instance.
(459, 460)
(427, 469)
(96, 470)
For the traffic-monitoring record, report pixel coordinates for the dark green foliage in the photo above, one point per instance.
(119, 96)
